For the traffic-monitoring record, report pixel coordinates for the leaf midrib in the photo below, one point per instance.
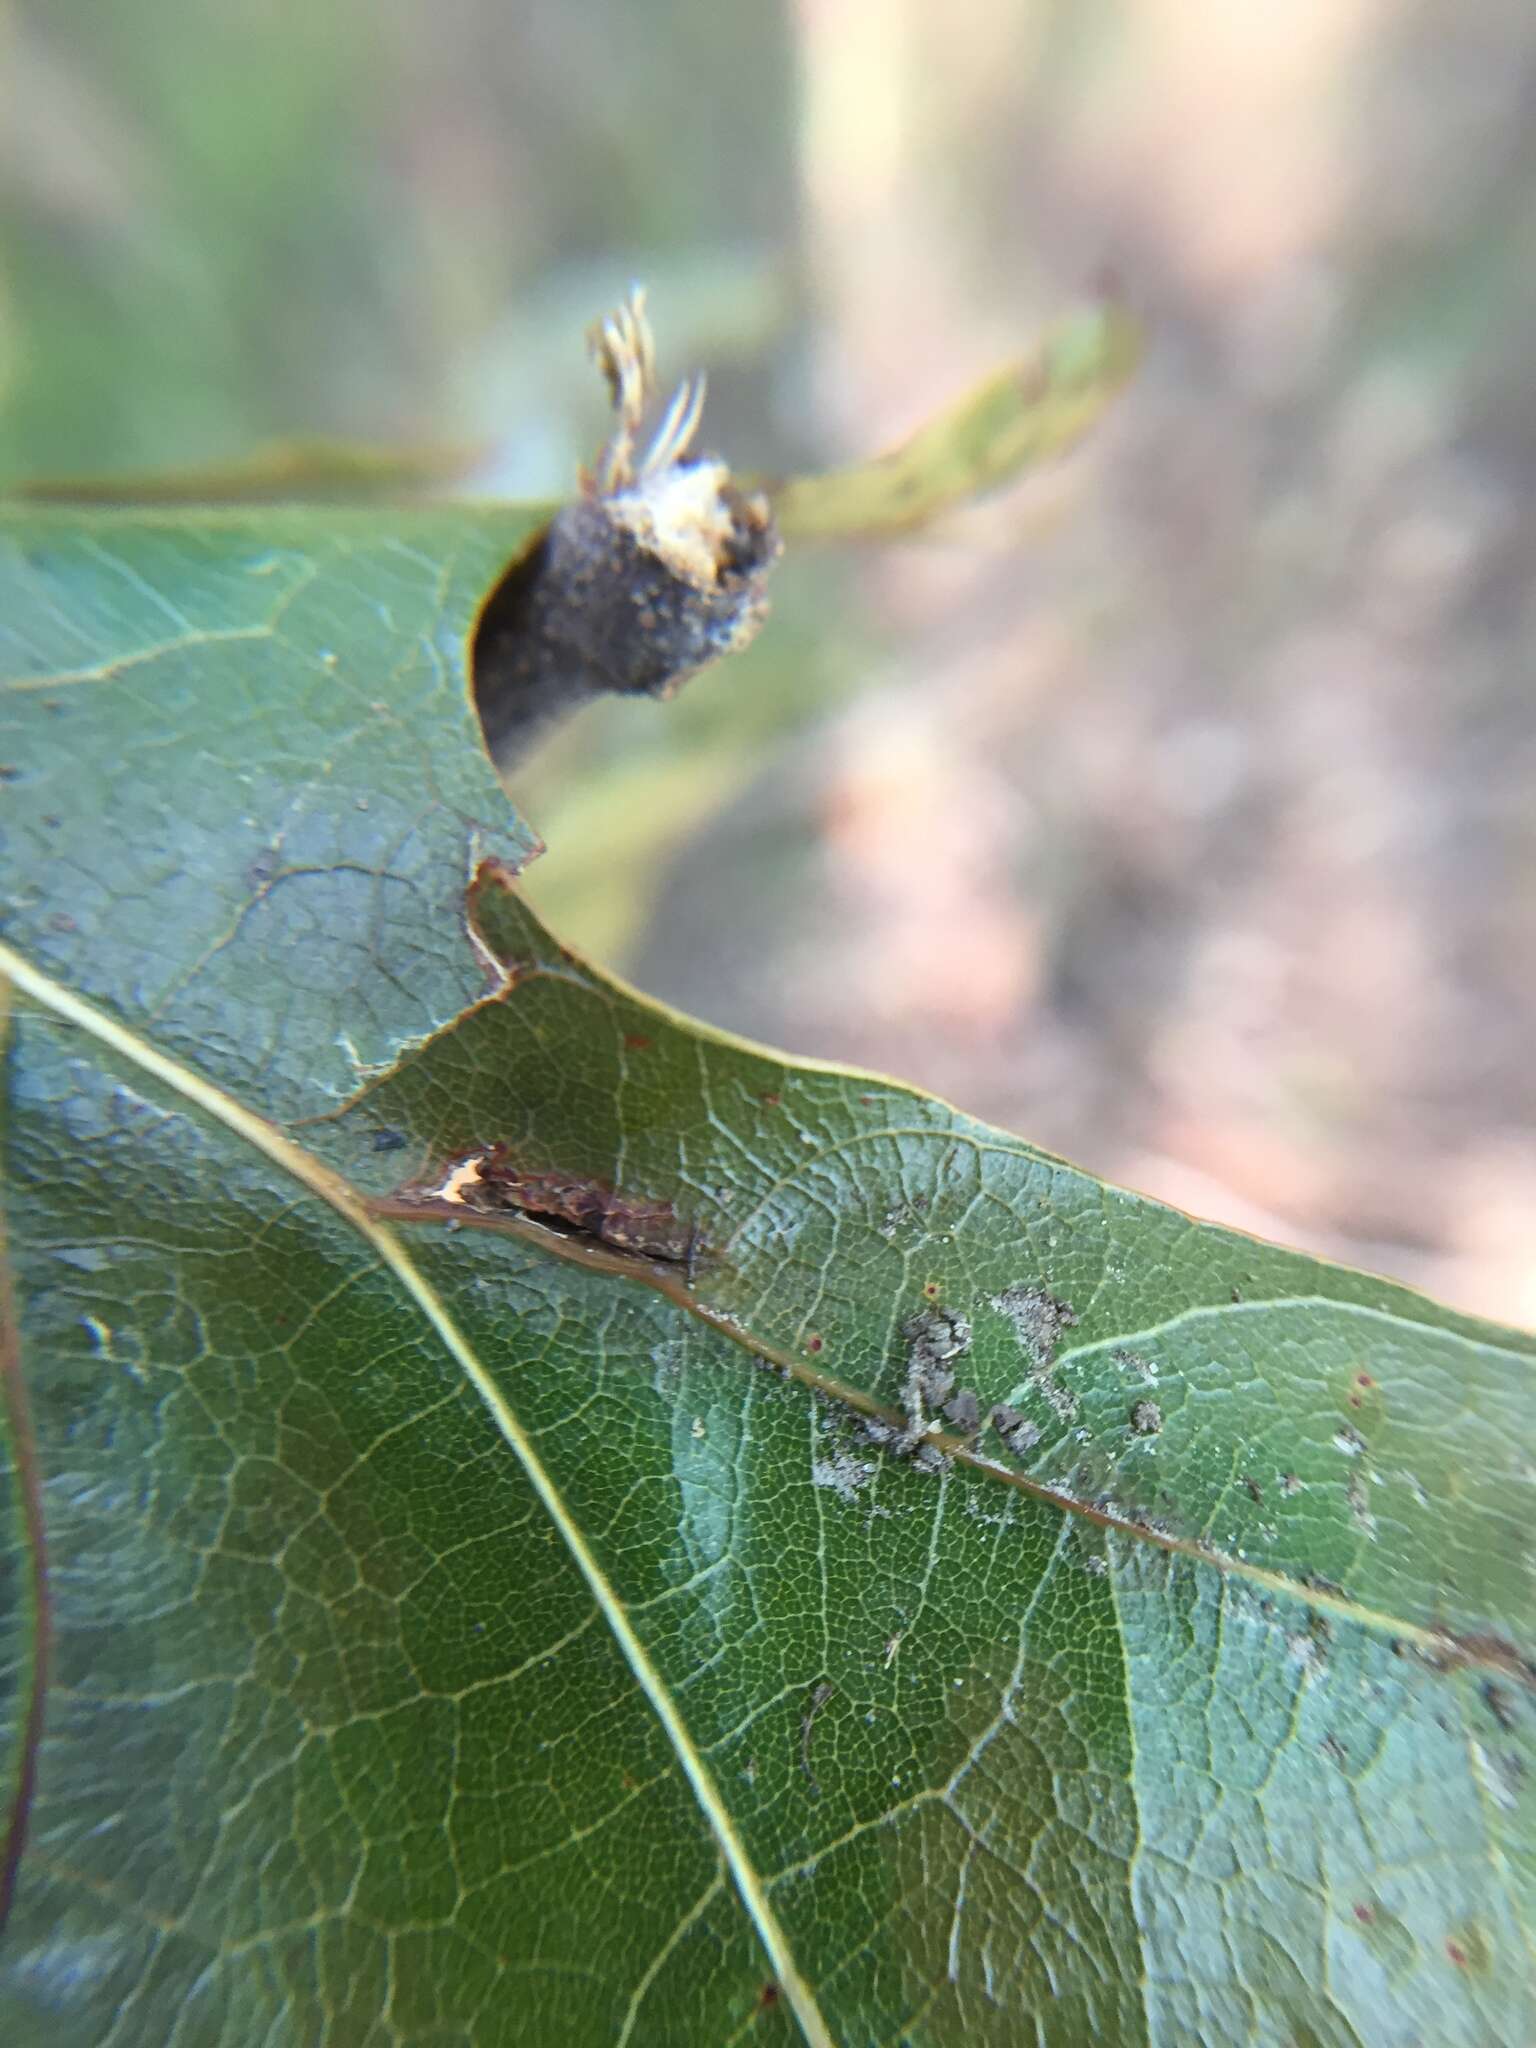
(1435, 1643)
(371, 1215)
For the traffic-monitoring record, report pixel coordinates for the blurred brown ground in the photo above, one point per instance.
(1175, 810)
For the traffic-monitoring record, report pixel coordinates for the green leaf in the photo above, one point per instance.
(1023, 414)
(276, 474)
(488, 1596)
(241, 748)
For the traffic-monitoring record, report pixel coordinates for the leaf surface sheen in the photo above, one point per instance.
(458, 1635)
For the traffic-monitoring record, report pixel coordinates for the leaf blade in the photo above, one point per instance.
(1024, 414)
(994, 1749)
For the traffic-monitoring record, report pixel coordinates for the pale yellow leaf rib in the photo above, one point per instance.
(331, 1188)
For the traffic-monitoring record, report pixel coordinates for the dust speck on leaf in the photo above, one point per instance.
(1304, 1650)
(1134, 1361)
(1358, 1496)
(1499, 1781)
(667, 1368)
(1348, 1441)
(1146, 1418)
(818, 1700)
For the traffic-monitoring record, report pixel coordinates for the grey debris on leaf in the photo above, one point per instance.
(842, 1474)
(1038, 1318)
(936, 1337)
(1018, 1433)
(964, 1411)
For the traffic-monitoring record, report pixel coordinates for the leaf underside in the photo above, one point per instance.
(466, 1626)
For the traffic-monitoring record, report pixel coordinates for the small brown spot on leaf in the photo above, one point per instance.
(770, 1099)
(1468, 1947)
(1365, 1914)
(1480, 1647)
(814, 1342)
(636, 1041)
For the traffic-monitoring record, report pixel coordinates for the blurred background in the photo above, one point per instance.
(1174, 809)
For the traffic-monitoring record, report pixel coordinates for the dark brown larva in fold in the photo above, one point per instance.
(585, 1207)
